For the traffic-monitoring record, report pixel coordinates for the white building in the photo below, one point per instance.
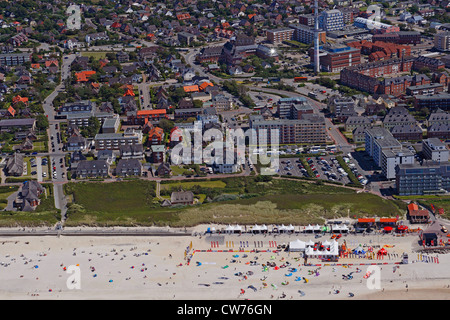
(386, 151)
(434, 149)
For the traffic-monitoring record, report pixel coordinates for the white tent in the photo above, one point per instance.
(263, 227)
(233, 229)
(297, 245)
(326, 243)
(332, 252)
(229, 229)
(309, 228)
(310, 243)
(317, 228)
(256, 228)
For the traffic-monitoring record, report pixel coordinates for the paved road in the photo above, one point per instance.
(55, 148)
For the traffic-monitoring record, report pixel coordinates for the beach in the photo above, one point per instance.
(156, 268)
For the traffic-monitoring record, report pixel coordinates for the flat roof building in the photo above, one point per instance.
(434, 149)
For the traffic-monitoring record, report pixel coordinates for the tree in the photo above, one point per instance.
(41, 122)
(93, 127)
(166, 125)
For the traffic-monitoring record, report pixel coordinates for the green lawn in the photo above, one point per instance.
(117, 203)
(290, 209)
(97, 55)
(257, 200)
(438, 202)
(190, 184)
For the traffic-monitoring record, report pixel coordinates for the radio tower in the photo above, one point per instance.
(316, 38)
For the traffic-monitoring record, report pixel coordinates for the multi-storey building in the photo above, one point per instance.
(276, 36)
(305, 34)
(422, 179)
(293, 108)
(401, 37)
(398, 116)
(434, 65)
(331, 20)
(365, 76)
(141, 116)
(306, 19)
(434, 149)
(309, 130)
(441, 101)
(14, 59)
(442, 41)
(386, 151)
(113, 141)
(336, 58)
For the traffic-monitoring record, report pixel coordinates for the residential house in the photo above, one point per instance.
(29, 196)
(14, 165)
(163, 170)
(92, 169)
(132, 151)
(182, 197)
(158, 153)
(129, 167)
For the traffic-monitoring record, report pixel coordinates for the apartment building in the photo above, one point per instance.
(422, 179)
(309, 130)
(14, 59)
(305, 34)
(441, 101)
(434, 149)
(386, 151)
(306, 19)
(331, 20)
(113, 141)
(434, 65)
(442, 41)
(279, 35)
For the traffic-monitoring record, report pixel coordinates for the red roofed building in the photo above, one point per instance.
(183, 16)
(193, 88)
(83, 76)
(11, 111)
(155, 136)
(150, 115)
(18, 99)
(204, 85)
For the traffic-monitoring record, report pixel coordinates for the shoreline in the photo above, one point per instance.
(155, 268)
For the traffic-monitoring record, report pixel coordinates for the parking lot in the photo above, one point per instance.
(323, 167)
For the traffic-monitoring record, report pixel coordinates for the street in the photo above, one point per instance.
(55, 144)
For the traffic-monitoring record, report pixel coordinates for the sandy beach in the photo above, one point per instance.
(141, 267)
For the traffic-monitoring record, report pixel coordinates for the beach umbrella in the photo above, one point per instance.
(388, 229)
